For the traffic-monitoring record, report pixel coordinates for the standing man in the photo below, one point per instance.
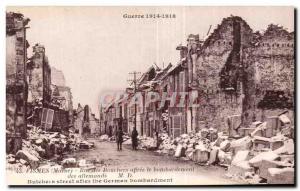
(119, 138)
(134, 140)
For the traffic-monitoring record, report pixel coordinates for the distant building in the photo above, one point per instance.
(57, 77)
(78, 119)
(94, 125)
(62, 93)
(64, 98)
(66, 94)
(85, 122)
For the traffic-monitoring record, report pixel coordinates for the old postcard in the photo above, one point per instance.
(150, 96)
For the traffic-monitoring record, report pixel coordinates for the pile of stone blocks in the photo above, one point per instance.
(42, 146)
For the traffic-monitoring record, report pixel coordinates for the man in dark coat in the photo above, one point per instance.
(134, 139)
(119, 138)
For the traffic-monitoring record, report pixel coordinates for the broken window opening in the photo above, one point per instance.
(276, 100)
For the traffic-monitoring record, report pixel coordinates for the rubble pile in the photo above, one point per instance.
(183, 146)
(260, 159)
(113, 138)
(165, 145)
(104, 137)
(42, 146)
(254, 158)
(127, 142)
(126, 137)
(73, 163)
(192, 146)
(146, 143)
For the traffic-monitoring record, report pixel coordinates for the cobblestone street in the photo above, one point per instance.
(106, 154)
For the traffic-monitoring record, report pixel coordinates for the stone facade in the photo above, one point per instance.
(16, 84)
(269, 70)
(66, 93)
(85, 122)
(39, 77)
(218, 74)
(174, 83)
(236, 68)
(78, 119)
(94, 125)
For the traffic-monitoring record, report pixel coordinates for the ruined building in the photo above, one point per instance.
(216, 73)
(268, 68)
(16, 85)
(78, 118)
(94, 124)
(39, 82)
(63, 94)
(66, 101)
(85, 122)
(233, 77)
(237, 71)
(57, 77)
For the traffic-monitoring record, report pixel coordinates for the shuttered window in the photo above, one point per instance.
(47, 118)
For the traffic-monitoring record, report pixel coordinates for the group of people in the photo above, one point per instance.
(119, 138)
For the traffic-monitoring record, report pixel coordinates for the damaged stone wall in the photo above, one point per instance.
(270, 73)
(67, 105)
(16, 86)
(39, 77)
(60, 122)
(217, 72)
(78, 119)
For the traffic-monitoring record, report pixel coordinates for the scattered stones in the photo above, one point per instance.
(270, 155)
(86, 145)
(240, 168)
(147, 143)
(254, 158)
(82, 163)
(280, 176)
(250, 157)
(244, 143)
(11, 160)
(240, 156)
(213, 156)
(69, 163)
(178, 151)
(127, 142)
(24, 162)
(31, 159)
(225, 145)
(104, 138)
(264, 165)
(201, 156)
(41, 145)
(287, 148)
(225, 158)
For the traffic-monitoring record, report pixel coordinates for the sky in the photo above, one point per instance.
(96, 47)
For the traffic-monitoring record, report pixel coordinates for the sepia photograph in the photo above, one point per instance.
(150, 95)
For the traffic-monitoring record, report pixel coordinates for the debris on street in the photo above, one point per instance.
(252, 158)
(44, 147)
